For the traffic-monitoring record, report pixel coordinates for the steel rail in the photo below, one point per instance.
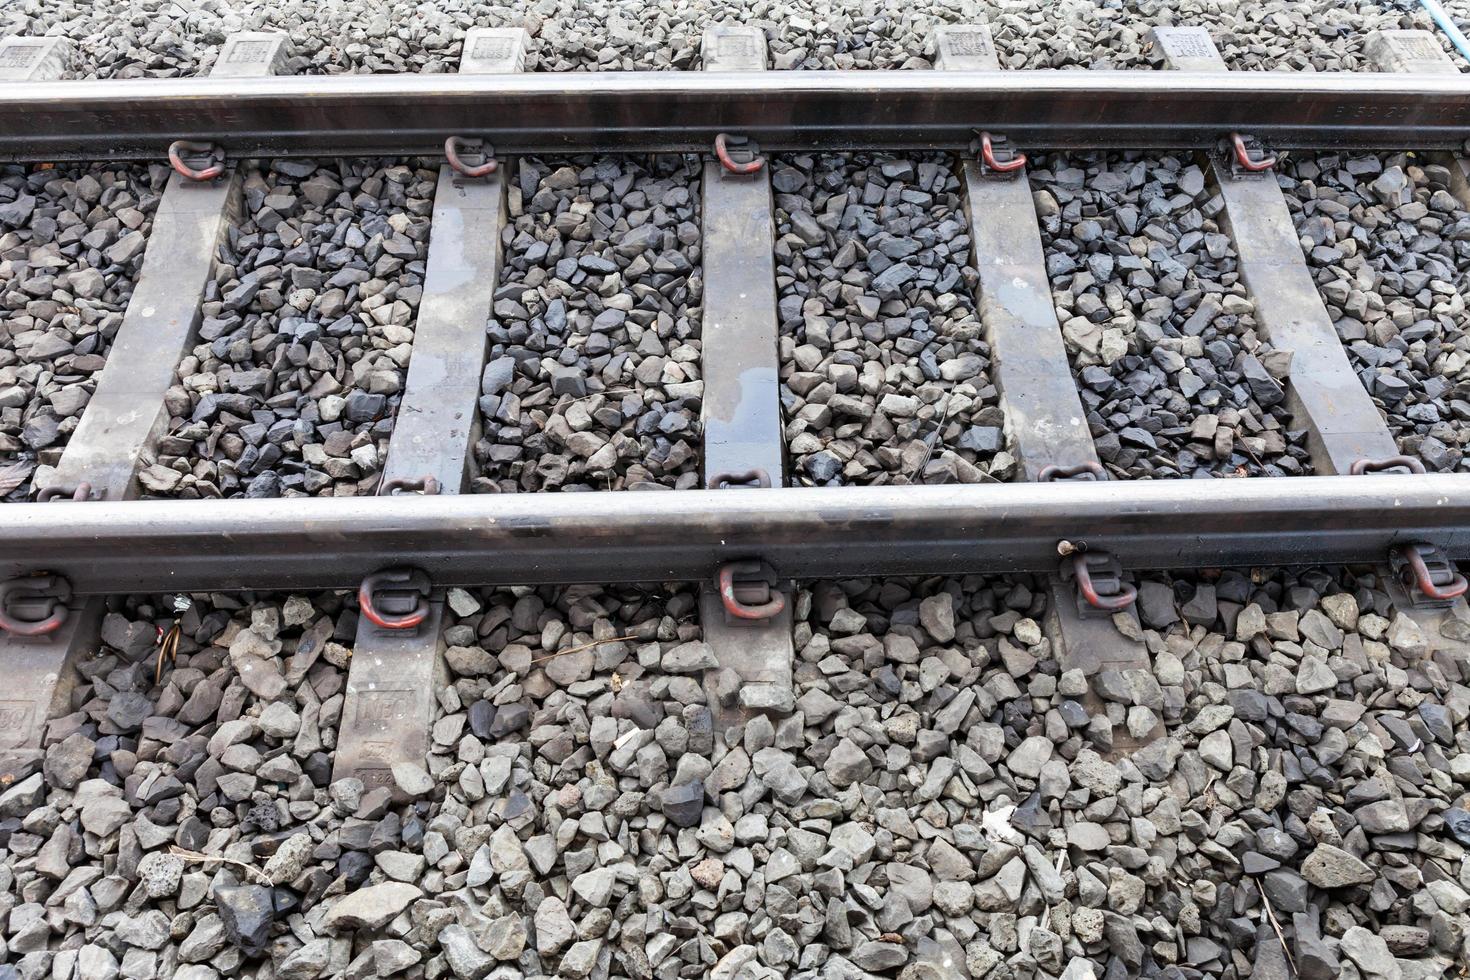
(150, 546)
(683, 111)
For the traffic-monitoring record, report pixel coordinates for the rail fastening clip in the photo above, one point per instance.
(1427, 575)
(996, 154)
(458, 148)
(196, 161)
(1247, 156)
(748, 590)
(82, 491)
(425, 485)
(34, 605)
(1090, 470)
(748, 478)
(1101, 590)
(395, 598)
(1364, 466)
(739, 155)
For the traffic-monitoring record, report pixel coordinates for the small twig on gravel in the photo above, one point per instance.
(608, 391)
(219, 859)
(168, 648)
(1046, 915)
(585, 646)
(938, 435)
(1275, 925)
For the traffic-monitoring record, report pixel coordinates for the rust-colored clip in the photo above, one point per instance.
(1090, 470)
(82, 491)
(754, 595)
(996, 154)
(1100, 584)
(204, 161)
(1248, 156)
(1424, 568)
(1364, 466)
(727, 147)
(426, 485)
(749, 478)
(747, 587)
(456, 148)
(35, 605)
(395, 598)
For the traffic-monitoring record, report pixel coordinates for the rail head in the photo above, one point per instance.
(145, 546)
(683, 111)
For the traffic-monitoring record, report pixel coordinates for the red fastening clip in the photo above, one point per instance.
(722, 153)
(1244, 159)
(1089, 470)
(733, 604)
(749, 478)
(1417, 573)
(987, 157)
(1082, 572)
(49, 593)
(82, 491)
(456, 145)
(426, 485)
(399, 584)
(1362, 466)
(176, 153)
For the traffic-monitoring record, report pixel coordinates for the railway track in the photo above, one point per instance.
(698, 339)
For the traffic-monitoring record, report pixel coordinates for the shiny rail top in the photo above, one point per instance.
(204, 545)
(682, 111)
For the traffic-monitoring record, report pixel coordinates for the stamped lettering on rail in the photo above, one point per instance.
(378, 710)
(1187, 47)
(1419, 47)
(491, 48)
(733, 48)
(736, 47)
(20, 55)
(969, 44)
(1415, 46)
(375, 777)
(250, 52)
(15, 722)
(494, 51)
(379, 749)
(964, 47)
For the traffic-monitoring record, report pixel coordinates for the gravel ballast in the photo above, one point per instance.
(592, 380)
(157, 38)
(940, 804)
(306, 336)
(885, 378)
(943, 800)
(72, 242)
(1159, 328)
(1389, 247)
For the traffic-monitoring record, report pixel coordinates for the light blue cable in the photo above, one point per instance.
(1442, 18)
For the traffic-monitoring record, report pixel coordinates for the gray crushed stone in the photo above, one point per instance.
(592, 380)
(72, 241)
